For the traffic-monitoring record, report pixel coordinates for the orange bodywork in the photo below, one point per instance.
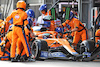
(40, 34)
(53, 41)
(59, 43)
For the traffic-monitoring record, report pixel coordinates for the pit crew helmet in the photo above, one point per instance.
(21, 5)
(30, 13)
(43, 7)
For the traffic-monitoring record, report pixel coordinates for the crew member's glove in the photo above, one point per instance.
(98, 42)
(70, 37)
(67, 32)
(2, 48)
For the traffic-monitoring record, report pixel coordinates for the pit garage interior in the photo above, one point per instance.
(86, 10)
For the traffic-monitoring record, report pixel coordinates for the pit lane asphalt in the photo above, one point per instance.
(51, 63)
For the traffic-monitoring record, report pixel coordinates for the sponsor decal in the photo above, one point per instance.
(17, 17)
(57, 54)
(44, 54)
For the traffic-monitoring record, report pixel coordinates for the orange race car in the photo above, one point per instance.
(48, 45)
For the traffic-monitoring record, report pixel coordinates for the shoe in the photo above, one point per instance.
(17, 57)
(31, 59)
(22, 59)
(14, 60)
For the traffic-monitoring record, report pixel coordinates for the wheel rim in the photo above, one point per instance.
(34, 49)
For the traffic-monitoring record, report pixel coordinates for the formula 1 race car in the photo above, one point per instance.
(48, 46)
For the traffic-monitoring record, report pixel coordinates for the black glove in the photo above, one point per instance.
(2, 48)
(67, 32)
(98, 42)
(36, 35)
(70, 37)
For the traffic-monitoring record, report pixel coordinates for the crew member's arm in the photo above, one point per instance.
(3, 42)
(9, 17)
(75, 29)
(27, 24)
(29, 28)
(66, 22)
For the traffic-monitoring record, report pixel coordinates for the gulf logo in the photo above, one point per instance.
(17, 17)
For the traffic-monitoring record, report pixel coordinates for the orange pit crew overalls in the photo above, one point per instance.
(70, 23)
(97, 37)
(19, 19)
(20, 48)
(52, 26)
(81, 34)
(3, 28)
(6, 54)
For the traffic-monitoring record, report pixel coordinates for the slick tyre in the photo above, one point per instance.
(37, 47)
